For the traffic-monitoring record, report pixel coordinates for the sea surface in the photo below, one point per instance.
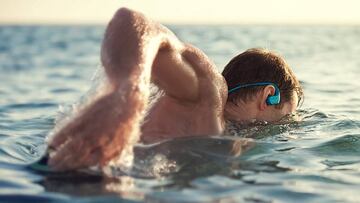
(44, 69)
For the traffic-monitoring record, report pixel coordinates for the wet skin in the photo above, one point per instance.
(136, 51)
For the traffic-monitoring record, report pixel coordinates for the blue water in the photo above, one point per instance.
(44, 68)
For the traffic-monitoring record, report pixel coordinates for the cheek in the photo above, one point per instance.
(288, 108)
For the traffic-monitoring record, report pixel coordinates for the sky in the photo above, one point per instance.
(183, 11)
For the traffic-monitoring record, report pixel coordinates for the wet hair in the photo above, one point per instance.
(260, 65)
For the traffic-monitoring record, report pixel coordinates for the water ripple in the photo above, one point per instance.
(312, 160)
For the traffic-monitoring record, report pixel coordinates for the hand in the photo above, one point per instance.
(96, 136)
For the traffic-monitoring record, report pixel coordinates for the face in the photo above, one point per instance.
(276, 114)
(250, 111)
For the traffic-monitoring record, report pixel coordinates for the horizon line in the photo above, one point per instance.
(38, 23)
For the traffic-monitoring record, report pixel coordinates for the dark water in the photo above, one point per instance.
(43, 68)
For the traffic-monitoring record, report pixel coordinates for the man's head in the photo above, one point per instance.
(248, 102)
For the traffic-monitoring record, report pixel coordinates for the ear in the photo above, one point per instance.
(269, 90)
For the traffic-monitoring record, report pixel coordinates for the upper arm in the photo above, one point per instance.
(187, 74)
(172, 73)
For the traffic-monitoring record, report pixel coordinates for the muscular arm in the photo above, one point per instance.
(134, 50)
(140, 48)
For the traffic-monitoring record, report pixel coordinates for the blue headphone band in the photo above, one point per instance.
(271, 100)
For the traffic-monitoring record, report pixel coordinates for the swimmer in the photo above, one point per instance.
(196, 99)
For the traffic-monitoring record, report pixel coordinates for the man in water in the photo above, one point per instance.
(195, 99)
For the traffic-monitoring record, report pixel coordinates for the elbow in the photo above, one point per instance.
(126, 24)
(122, 18)
(126, 16)
(124, 13)
(120, 32)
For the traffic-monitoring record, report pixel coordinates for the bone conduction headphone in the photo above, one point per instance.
(271, 100)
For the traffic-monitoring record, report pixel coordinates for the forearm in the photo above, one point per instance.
(101, 131)
(120, 114)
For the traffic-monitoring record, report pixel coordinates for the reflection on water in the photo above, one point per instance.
(311, 159)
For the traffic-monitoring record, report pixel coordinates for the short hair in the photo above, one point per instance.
(260, 65)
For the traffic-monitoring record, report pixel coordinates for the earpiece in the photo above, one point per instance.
(274, 99)
(271, 100)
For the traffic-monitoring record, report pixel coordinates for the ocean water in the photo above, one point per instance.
(46, 68)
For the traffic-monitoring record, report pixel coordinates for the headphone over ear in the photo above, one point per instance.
(271, 100)
(274, 99)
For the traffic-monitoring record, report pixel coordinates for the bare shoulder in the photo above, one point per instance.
(206, 71)
(203, 66)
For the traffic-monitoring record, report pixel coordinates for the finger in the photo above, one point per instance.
(58, 139)
(72, 162)
(73, 148)
(65, 133)
(58, 166)
(92, 159)
(105, 160)
(108, 155)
